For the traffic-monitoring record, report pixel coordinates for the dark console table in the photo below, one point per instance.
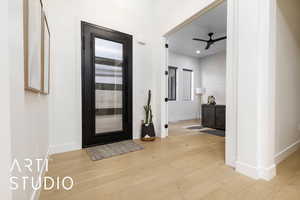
(213, 116)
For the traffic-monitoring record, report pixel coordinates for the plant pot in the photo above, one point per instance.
(148, 132)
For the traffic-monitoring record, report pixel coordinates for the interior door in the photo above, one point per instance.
(106, 85)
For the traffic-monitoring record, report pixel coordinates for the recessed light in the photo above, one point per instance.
(198, 51)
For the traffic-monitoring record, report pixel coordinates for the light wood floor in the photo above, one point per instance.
(178, 128)
(182, 167)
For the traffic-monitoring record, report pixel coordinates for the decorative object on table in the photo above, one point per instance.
(36, 47)
(200, 92)
(148, 132)
(211, 100)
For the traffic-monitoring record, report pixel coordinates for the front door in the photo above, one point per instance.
(106, 85)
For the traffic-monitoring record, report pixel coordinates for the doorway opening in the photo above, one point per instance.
(197, 83)
(106, 85)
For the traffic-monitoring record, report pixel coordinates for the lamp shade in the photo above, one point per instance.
(200, 90)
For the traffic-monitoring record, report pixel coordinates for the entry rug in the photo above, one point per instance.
(114, 149)
(214, 132)
(194, 127)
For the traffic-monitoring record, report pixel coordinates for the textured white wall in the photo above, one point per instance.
(287, 75)
(179, 109)
(28, 111)
(213, 77)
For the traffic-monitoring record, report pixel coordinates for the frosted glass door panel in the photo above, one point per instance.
(108, 86)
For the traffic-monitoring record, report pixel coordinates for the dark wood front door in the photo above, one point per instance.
(106, 85)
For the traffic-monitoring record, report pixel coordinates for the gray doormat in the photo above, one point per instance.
(114, 149)
(214, 132)
(194, 127)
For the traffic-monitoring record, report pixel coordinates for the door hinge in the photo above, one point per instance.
(166, 72)
(166, 99)
(167, 45)
(166, 126)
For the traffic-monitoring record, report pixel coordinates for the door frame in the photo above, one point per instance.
(262, 165)
(231, 78)
(88, 137)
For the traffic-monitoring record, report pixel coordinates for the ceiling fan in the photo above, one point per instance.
(211, 41)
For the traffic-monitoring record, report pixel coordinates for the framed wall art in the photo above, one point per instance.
(33, 26)
(45, 57)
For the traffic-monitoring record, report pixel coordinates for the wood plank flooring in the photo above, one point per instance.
(180, 167)
(178, 128)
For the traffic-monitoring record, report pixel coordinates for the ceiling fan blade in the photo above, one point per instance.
(207, 46)
(201, 40)
(219, 39)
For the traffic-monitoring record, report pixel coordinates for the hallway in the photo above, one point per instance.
(178, 167)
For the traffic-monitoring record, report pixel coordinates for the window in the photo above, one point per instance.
(187, 83)
(172, 83)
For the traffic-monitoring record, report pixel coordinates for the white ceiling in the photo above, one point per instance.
(214, 21)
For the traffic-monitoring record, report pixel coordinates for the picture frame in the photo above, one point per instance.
(46, 42)
(33, 26)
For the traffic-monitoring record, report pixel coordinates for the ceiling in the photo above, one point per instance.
(214, 21)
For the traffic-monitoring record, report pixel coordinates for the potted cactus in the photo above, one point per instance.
(148, 132)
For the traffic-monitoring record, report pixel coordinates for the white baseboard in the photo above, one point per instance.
(136, 137)
(281, 156)
(61, 148)
(247, 170)
(231, 163)
(267, 173)
(255, 172)
(36, 193)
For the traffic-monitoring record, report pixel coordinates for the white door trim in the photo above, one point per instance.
(231, 78)
(231, 83)
(262, 163)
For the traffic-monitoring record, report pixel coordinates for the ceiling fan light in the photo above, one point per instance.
(198, 52)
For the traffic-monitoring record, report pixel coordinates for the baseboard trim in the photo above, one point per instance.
(36, 193)
(281, 156)
(61, 148)
(256, 172)
(247, 170)
(267, 173)
(230, 163)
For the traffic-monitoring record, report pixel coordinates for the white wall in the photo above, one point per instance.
(132, 17)
(5, 143)
(287, 77)
(28, 111)
(179, 109)
(209, 73)
(213, 77)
